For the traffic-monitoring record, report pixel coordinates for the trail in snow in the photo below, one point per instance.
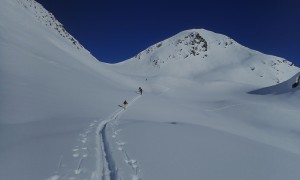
(132, 163)
(80, 153)
(108, 170)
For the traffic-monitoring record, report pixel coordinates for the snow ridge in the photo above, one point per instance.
(48, 19)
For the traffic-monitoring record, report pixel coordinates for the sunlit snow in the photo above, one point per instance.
(211, 108)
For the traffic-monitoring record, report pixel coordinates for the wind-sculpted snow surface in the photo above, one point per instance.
(178, 150)
(225, 134)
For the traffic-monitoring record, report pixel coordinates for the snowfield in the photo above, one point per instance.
(211, 108)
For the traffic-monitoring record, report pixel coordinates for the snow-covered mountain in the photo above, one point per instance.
(60, 116)
(48, 19)
(49, 91)
(35, 55)
(201, 53)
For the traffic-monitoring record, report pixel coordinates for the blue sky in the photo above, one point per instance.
(115, 30)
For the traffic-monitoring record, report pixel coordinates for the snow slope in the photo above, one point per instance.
(39, 67)
(285, 87)
(50, 91)
(60, 119)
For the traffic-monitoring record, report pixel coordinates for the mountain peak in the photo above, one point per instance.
(189, 44)
(201, 54)
(194, 42)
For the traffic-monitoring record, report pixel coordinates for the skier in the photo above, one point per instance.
(140, 90)
(125, 104)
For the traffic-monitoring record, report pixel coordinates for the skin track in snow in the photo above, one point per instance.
(109, 169)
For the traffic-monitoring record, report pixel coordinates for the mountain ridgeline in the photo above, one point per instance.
(203, 54)
(191, 44)
(194, 54)
(48, 19)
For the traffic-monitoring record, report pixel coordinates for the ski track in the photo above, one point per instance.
(106, 168)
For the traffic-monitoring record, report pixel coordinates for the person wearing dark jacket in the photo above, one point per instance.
(125, 104)
(140, 90)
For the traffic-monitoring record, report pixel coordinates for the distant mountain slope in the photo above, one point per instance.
(38, 66)
(48, 19)
(287, 86)
(203, 54)
(51, 89)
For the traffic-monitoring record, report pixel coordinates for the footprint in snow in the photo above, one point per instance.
(118, 131)
(131, 162)
(88, 131)
(83, 135)
(84, 140)
(75, 155)
(85, 155)
(120, 143)
(92, 124)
